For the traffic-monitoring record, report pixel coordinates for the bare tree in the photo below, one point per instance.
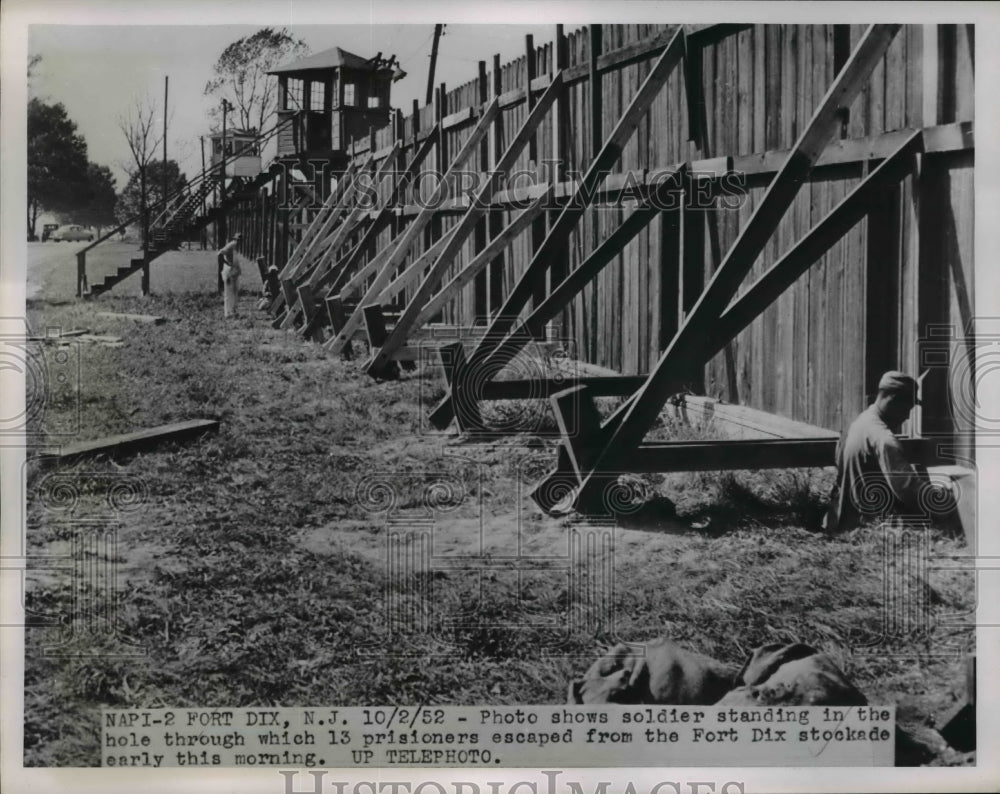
(143, 133)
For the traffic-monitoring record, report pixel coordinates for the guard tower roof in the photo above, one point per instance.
(327, 59)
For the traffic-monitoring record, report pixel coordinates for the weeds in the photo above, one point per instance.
(234, 607)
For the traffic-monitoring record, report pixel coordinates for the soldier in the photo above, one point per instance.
(875, 478)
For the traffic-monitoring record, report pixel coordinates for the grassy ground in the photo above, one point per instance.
(253, 570)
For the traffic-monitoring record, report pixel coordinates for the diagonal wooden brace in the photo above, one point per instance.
(684, 350)
(416, 227)
(564, 292)
(466, 225)
(582, 196)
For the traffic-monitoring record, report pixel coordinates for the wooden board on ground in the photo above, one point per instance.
(55, 337)
(149, 319)
(133, 442)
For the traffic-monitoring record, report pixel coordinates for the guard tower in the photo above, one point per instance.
(333, 96)
(242, 143)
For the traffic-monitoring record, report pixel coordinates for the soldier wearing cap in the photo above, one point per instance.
(875, 479)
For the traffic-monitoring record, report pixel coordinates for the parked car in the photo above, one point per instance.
(70, 233)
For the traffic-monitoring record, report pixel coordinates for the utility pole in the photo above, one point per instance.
(222, 188)
(203, 234)
(166, 89)
(434, 58)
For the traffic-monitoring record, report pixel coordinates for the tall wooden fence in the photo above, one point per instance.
(903, 274)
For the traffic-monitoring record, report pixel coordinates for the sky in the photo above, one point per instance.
(96, 72)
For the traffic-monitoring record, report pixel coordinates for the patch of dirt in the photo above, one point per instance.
(265, 553)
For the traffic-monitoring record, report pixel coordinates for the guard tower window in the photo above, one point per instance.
(295, 89)
(317, 96)
(374, 102)
(349, 95)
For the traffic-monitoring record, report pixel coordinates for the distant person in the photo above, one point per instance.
(875, 478)
(270, 288)
(229, 269)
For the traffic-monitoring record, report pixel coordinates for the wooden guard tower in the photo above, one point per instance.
(333, 96)
(244, 144)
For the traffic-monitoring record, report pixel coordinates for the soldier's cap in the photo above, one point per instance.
(895, 382)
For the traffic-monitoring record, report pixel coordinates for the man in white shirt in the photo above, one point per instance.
(230, 271)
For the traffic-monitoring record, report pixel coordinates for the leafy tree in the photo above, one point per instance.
(101, 199)
(130, 200)
(33, 61)
(240, 74)
(57, 162)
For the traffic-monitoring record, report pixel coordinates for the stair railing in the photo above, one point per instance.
(81, 255)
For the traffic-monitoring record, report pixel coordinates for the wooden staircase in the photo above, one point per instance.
(181, 224)
(178, 224)
(109, 281)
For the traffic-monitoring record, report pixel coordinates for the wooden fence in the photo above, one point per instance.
(903, 274)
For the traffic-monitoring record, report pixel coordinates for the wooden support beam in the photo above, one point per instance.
(749, 454)
(132, 442)
(413, 231)
(489, 253)
(326, 215)
(783, 453)
(674, 456)
(315, 262)
(465, 227)
(560, 295)
(356, 283)
(455, 373)
(310, 311)
(416, 269)
(346, 268)
(288, 290)
(374, 324)
(579, 425)
(334, 241)
(335, 311)
(543, 388)
(945, 138)
(346, 271)
(625, 430)
(786, 271)
(575, 206)
(741, 421)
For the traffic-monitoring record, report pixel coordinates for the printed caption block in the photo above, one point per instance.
(514, 736)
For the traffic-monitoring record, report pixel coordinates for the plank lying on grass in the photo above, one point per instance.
(54, 337)
(149, 319)
(134, 442)
(97, 339)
